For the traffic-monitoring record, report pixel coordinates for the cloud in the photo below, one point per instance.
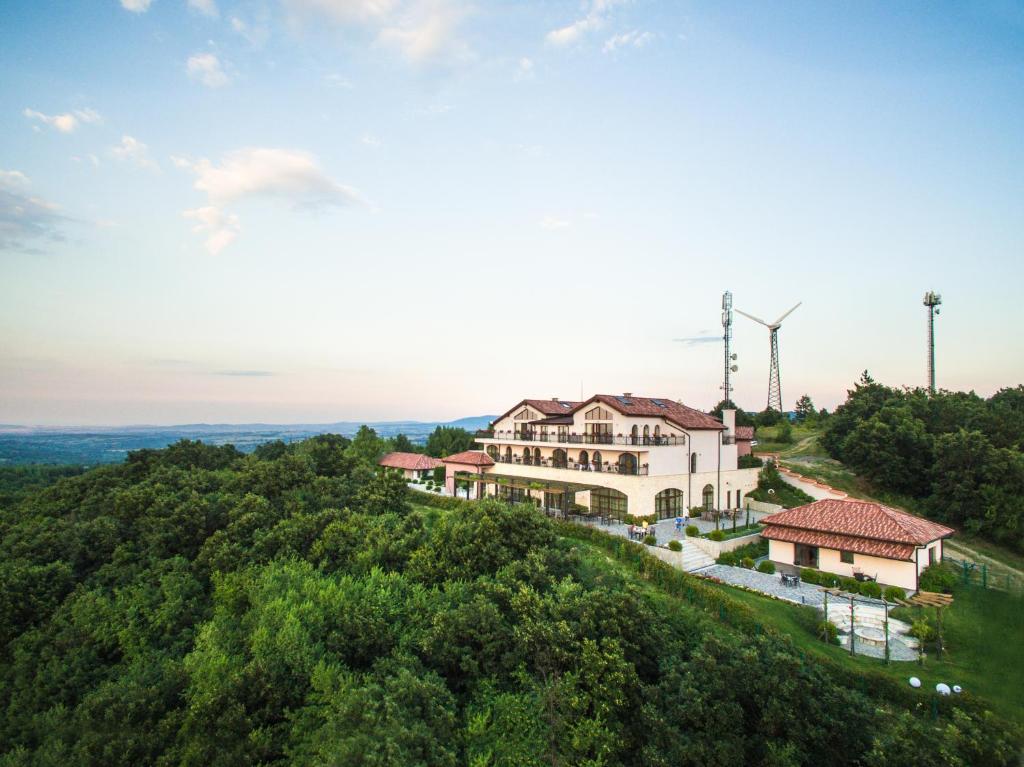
(368, 139)
(419, 30)
(220, 228)
(553, 224)
(67, 122)
(205, 67)
(697, 340)
(134, 151)
(205, 7)
(595, 18)
(25, 217)
(524, 70)
(256, 34)
(338, 81)
(136, 6)
(634, 39)
(287, 175)
(244, 373)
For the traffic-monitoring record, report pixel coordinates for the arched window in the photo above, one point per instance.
(492, 451)
(527, 456)
(597, 460)
(708, 497)
(693, 463)
(609, 503)
(647, 435)
(657, 431)
(584, 460)
(669, 503)
(559, 459)
(536, 456)
(508, 455)
(633, 433)
(627, 463)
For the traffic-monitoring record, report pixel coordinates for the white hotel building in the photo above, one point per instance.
(617, 455)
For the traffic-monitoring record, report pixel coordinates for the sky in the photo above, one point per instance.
(319, 210)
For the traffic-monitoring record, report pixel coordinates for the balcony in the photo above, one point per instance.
(581, 439)
(597, 468)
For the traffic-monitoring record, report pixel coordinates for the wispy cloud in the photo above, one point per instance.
(287, 175)
(697, 340)
(67, 122)
(595, 18)
(257, 33)
(24, 217)
(553, 223)
(206, 68)
(524, 69)
(368, 139)
(136, 6)
(244, 373)
(205, 7)
(134, 151)
(633, 39)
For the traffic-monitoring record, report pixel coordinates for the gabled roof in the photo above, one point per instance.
(859, 526)
(470, 458)
(656, 407)
(414, 461)
(544, 406)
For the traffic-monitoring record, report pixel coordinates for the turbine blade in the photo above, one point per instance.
(780, 319)
(752, 317)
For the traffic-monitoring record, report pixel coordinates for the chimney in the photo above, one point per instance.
(554, 399)
(627, 394)
(729, 419)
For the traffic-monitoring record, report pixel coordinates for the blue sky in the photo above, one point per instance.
(309, 210)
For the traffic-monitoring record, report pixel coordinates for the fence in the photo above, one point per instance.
(979, 574)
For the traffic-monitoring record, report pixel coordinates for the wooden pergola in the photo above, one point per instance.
(934, 599)
(563, 489)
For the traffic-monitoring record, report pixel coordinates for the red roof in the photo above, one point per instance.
(859, 526)
(745, 433)
(415, 461)
(471, 458)
(657, 407)
(545, 406)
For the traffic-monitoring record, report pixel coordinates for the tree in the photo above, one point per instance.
(366, 446)
(893, 449)
(448, 440)
(768, 417)
(805, 409)
(402, 444)
(743, 418)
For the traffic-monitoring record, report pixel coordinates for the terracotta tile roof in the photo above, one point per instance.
(657, 407)
(415, 461)
(841, 542)
(745, 432)
(855, 526)
(545, 406)
(470, 457)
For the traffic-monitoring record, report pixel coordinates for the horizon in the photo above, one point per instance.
(288, 210)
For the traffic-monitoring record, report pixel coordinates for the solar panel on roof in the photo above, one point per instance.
(659, 403)
(624, 400)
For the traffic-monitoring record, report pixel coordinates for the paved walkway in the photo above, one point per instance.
(665, 529)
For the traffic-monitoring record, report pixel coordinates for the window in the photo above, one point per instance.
(608, 503)
(527, 456)
(708, 497)
(669, 503)
(597, 461)
(693, 463)
(846, 557)
(598, 414)
(559, 459)
(525, 415)
(584, 459)
(508, 455)
(536, 456)
(657, 431)
(728, 499)
(627, 463)
(739, 497)
(932, 555)
(647, 435)
(633, 433)
(492, 451)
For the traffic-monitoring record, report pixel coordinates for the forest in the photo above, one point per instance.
(959, 455)
(195, 605)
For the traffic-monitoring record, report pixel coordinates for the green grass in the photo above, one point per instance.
(740, 531)
(983, 633)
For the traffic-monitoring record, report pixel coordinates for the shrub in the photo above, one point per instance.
(922, 630)
(716, 535)
(747, 563)
(828, 580)
(650, 540)
(749, 462)
(727, 558)
(938, 577)
(851, 585)
(692, 531)
(829, 628)
(767, 566)
(894, 593)
(810, 575)
(696, 511)
(675, 545)
(871, 589)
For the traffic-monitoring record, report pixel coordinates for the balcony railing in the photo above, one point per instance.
(610, 467)
(582, 439)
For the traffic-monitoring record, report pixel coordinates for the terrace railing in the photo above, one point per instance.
(609, 467)
(582, 439)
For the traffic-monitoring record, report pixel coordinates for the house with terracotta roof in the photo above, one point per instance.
(618, 455)
(847, 537)
(744, 440)
(412, 465)
(468, 462)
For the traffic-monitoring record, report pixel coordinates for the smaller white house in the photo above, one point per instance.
(412, 465)
(850, 537)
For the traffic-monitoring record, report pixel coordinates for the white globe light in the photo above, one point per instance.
(942, 688)
(915, 682)
(957, 689)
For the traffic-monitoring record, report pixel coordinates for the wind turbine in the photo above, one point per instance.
(774, 383)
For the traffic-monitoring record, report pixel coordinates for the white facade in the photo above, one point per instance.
(639, 456)
(888, 572)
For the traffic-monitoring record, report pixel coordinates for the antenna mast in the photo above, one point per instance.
(932, 300)
(727, 338)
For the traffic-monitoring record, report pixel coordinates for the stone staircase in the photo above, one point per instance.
(689, 559)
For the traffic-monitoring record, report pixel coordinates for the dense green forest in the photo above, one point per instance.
(961, 455)
(197, 606)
